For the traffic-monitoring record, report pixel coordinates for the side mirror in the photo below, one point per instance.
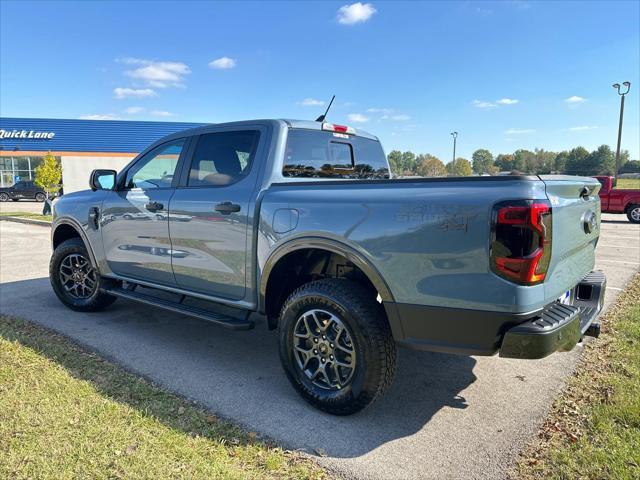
(102, 180)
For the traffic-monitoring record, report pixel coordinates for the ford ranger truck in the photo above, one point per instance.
(619, 200)
(299, 226)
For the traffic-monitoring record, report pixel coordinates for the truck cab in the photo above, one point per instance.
(619, 200)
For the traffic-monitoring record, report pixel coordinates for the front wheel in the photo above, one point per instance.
(633, 213)
(40, 197)
(4, 197)
(336, 346)
(75, 281)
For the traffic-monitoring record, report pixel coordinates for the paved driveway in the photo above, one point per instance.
(445, 417)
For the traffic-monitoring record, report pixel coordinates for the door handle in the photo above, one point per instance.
(227, 208)
(154, 206)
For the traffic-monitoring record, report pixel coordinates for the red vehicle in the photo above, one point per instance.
(619, 200)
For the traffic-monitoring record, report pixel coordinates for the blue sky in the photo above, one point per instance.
(506, 75)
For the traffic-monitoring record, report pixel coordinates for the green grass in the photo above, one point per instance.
(67, 413)
(29, 215)
(594, 428)
(631, 183)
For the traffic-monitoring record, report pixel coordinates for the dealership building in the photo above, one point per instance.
(80, 145)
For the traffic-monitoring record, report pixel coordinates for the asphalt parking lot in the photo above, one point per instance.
(445, 417)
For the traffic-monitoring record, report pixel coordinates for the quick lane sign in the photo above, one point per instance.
(26, 135)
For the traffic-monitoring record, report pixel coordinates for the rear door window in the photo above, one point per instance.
(320, 154)
(223, 158)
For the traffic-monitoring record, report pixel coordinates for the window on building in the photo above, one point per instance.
(18, 167)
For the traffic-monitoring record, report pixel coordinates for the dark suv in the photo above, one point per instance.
(21, 190)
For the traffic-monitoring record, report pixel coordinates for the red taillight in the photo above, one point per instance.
(521, 243)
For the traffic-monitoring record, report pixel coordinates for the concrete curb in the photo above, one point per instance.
(28, 221)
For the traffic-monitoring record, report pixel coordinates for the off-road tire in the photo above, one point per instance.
(633, 211)
(375, 349)
(98, 300)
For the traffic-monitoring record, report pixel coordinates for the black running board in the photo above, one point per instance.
(174, 306)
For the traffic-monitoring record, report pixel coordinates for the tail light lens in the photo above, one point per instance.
(521, 240)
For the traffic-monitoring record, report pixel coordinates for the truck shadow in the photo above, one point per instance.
(237, 375)
(622, 222)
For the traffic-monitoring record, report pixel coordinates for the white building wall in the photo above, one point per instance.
(76, 169)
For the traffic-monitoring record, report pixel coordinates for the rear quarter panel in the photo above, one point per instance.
(429, 240)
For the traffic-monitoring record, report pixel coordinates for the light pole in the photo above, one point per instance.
(455, 136)
(622, 95)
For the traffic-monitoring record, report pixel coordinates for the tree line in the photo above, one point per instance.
(578, 161)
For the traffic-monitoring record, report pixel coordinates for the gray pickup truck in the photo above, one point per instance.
(299, 225)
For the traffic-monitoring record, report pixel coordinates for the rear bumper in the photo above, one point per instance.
(530, 335)
(559, 327)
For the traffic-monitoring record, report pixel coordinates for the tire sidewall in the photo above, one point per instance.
(65, 249)
(40, 197)
(4, 197)
(362, 377)
(631, 209)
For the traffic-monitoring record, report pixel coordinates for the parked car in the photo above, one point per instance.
(619, 200)
(298, 223)
(24, 189)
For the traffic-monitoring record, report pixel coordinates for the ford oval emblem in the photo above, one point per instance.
(589, 222)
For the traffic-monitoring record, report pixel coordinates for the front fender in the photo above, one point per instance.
(73, 223)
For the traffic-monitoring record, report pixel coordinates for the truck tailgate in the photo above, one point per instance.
(576, 227)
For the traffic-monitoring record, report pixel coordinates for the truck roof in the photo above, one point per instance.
(311, 125)
(291, 123)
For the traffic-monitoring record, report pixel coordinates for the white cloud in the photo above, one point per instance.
(120, 93)
(386, 111)
(98, 116)
(484, 11)
(388, 114)
(311, 102)
(507, 101)
(521, 5)
(223, 63)
(161, 113)
(357, 118)
(574, 100)
(355, 13)
(519, 131)
(582, 128)
(401, 117)
(483, 104)
(157, 74)
(133, 110)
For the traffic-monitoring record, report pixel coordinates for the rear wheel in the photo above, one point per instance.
(40, 197)
(4, 197)
(75, 280)
(336, 346)
(633, 213)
